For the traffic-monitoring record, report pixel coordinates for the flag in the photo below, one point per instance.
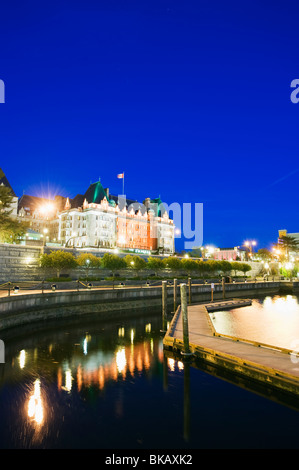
(121, 175)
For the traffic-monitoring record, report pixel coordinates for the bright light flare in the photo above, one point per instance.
(35, 406)
(47, 208)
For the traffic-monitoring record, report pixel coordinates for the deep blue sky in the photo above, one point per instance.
(191, 99)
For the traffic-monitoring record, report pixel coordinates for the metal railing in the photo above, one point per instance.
(43, 285)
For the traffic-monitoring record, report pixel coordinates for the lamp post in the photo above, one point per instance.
(74, 235)
(43, 235)
(250, 245)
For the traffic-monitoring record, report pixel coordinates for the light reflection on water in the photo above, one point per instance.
(273, 321)
(110, 386)
(58, 376)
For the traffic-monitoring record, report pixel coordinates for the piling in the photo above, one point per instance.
(189, 286)
(223, 287)
(212, 292)
(174, 295)
(164, 305)
(184, 307)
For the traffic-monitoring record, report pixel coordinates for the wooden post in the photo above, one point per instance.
(164, 305)
(184, 308)
(189, 286)
(174, 294)
(223, 287)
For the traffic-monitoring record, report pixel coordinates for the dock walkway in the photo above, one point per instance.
(276, 367)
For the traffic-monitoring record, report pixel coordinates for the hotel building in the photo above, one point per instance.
(229, 254)
(95, 219)
(100, 220)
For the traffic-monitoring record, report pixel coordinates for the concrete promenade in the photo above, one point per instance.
(32, 305)
(276, 367)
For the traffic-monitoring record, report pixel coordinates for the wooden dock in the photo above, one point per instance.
(276, 367)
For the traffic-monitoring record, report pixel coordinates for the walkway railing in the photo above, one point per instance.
(19, 287)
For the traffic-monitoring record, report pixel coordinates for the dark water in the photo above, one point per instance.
(108, 385)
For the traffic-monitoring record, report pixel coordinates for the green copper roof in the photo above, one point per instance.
(159, 208)
(96, 193)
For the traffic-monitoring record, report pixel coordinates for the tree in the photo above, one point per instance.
(213, 267)
(173, 263)
(135, 262)
(196, 253)
(88, 261)
(189, 265)
(265, 254)
(113, 263)
(225, 267)
(200, 265)
(156, 264)
(205, 268)
(11, 230)
(244, 267)
(288, 244)
(57, 261)
(235, 267)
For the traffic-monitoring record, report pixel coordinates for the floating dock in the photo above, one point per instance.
(264, 363)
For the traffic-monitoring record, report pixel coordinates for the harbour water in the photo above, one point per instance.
(109, 385)
(272, 320)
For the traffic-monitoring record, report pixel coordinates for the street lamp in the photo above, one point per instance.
(74, 235)
(250, 245)
(43, 236)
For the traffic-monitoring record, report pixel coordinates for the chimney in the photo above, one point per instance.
(147, 202)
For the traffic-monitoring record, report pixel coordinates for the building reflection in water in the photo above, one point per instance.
(22, 358)
(35, 404)
(93, 361)
(97, 367)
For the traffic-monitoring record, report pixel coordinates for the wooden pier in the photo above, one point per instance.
(276, 367)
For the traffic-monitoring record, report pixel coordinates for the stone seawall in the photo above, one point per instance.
(18, 310)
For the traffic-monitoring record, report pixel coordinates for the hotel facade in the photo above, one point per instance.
(107, 222)
(98, 220)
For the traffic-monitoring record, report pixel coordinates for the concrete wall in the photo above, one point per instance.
(18, 262)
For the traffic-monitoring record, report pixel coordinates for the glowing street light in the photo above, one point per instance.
(250, 245)
(47, 209)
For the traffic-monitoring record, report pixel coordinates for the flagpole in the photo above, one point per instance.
(123, 183)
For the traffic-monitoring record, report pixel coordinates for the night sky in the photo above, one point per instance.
(191, 99)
